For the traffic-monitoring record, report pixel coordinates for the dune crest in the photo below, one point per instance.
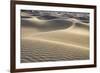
(53, 38)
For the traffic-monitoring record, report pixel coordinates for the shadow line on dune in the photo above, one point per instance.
(57, 42)
(47, 25)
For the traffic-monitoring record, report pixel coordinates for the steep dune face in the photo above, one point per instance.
(77, 35)
(46, 25)
(47, 17)
(54, 39)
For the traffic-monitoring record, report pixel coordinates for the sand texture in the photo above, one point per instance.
(53, 37)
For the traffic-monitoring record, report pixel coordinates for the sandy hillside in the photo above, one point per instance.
(53, 39)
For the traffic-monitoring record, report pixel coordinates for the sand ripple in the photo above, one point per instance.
(53, 39)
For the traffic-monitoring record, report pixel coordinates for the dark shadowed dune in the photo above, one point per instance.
(82, 26)
(47, 25)
(25, 16)
(47, 17)
(83, 19)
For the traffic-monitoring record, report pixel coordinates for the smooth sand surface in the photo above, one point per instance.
(53, 40)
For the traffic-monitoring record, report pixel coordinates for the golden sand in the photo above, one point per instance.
(53, 44)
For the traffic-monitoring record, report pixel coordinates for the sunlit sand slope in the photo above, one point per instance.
(39, 50)
(54, 40)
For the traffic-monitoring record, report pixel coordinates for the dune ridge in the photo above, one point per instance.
(53, 39)
(55, 42)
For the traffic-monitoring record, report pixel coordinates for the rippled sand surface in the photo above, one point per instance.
(56, 39)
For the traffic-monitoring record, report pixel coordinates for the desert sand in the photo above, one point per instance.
(53, 39)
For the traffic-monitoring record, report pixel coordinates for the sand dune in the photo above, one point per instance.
(54, 39)
(37, 50)
(52, 24)
(73, 33)
(25, 15)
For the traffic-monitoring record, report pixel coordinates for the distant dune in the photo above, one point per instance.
(54, 39)
(46, 25)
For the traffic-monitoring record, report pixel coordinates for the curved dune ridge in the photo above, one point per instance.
(53, 39)
(46, 25)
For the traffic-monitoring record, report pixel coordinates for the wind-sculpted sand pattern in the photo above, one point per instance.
(53, 38)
